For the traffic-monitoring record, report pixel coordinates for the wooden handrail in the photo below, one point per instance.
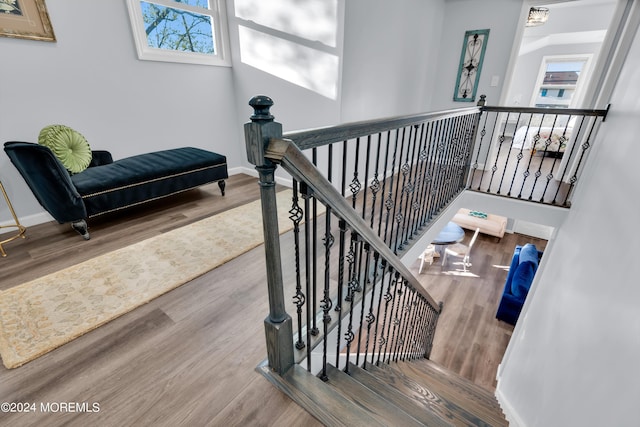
(548, 111)
(310, 138)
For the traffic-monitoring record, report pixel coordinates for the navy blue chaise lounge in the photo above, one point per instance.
(107, 185)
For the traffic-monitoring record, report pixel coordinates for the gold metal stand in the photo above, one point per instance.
(21, 229)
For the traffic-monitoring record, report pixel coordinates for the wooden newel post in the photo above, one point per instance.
(278, 325)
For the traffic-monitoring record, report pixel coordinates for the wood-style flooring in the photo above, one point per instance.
(189, 356)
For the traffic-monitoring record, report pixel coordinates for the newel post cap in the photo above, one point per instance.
(261, 105)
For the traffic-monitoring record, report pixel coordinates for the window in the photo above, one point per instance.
(188, 31)
(560, 81)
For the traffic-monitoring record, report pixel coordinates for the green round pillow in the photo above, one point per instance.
(69, 146)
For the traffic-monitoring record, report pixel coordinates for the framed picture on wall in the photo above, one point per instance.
(25, 19)
(473, 48)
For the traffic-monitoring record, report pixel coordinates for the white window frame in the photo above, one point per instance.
(218, 13)
(578, 87)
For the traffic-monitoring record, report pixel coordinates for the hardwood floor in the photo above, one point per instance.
(188, 357)
(469, 340)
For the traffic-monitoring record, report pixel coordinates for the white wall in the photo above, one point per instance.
(573, 358)
(389, 57)
(501, 18)
(296, 107)
(91, 80)
(566, 32)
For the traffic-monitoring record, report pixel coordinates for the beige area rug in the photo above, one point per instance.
(39, 316)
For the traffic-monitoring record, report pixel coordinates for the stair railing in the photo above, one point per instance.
(533, 154)
(400, 173)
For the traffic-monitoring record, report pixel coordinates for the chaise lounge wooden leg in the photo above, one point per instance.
(222, 184)
(82, 228)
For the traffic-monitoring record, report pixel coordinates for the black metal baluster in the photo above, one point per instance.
(520, 154)
(407, 226)
(506, 163)
(314, 299)
(547, 141)
(428, 175)
(457, 141)
(371, 318)
(470, 133)
(398, 196)
(395, 310)
(438, 173)
(402, 319)
(432, 330)
(475, 165)
(375, 184)
(575, 136)
(306, 195)
(352, 289)
(452, 152)
(366, 177)
(389, 201)
(355, 182)
(561, 140)
(342, 259)
(299, 297)
(585, 146)
(343, 187)
(418, 326)
(409, 323)
(424, 338)
(494, 168)
(326, 304)
(364, 280)
(386, 328)
(527, 172)
(419, 183)
(384, 185)
(380, 340)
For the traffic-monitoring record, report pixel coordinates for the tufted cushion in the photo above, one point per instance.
(69, 146)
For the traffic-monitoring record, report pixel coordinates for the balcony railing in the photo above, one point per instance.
(534, 154)
(365, 192)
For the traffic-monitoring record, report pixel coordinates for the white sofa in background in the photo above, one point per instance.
(493, 225)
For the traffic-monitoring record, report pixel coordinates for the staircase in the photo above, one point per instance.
(414, 393)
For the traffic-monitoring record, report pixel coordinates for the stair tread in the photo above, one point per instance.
(457, 411)
(456, 386)
(397, 398)
(379, 406)
(316, 397)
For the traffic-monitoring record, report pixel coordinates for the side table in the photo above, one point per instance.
(21, 229)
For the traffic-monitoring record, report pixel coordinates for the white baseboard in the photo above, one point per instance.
(287, 182)
(31, 220)
(509, 413)
(531, 229)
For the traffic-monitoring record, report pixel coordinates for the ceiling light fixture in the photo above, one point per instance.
(537, 16)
